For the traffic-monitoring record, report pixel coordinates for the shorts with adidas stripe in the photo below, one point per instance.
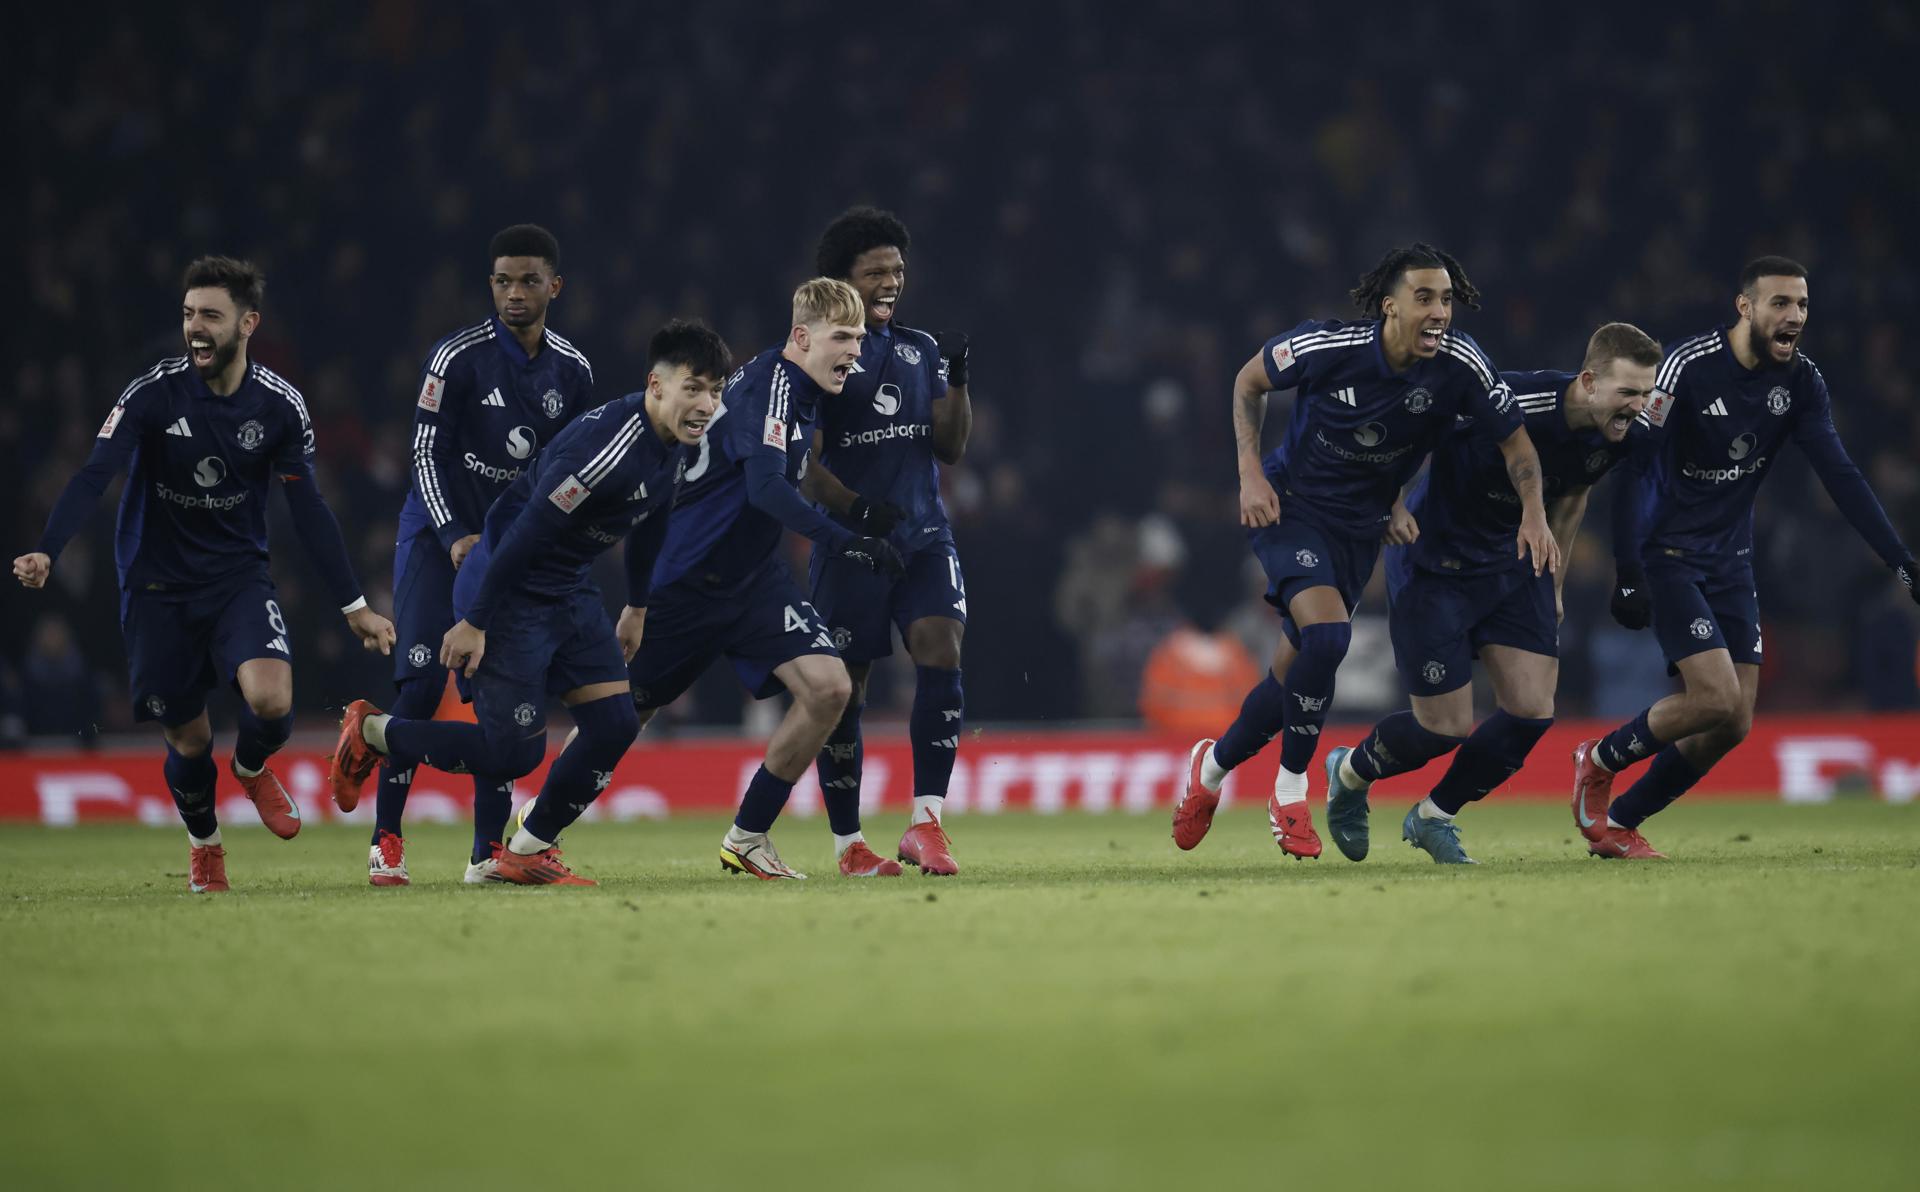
(759, 626)
(181, 643)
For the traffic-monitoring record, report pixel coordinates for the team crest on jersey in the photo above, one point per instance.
(156, 705)
(908, 353)
(552, 403)
(419, 655)
(1418, 400)
(1433, 672)
(842, 637)
(886, 400)
(1778, 399)
(1370, 435)
(430, 393)
(1306, 558)
(1701, 628)
(523, 715)
(251, 435)
(1596, 461)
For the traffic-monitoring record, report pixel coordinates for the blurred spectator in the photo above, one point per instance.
(1194, 682)
(59, 695)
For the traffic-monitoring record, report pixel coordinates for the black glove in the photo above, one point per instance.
(877, 555)
(953, 349)
(876, 518)
(1908, 572)
(1630, 604)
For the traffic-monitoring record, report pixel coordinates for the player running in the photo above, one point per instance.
(1374, 398)
(1725, 405)
(490, 396)
(201, 435)
(1456, 593)
(532, 623)
(879, 445)
(721, 588)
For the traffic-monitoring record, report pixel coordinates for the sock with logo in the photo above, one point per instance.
(939, 708)
(839, 767)
(1670, 776)
(259, 740)
(1494, 753)
(1396, 745)
(1631, 742)
(492, 808)
(191, 782)
(761, 805)
(1262, 714)
(585, 767)
(1310, 691)
(416, 700)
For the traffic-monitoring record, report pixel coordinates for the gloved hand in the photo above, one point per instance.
(877, 518)
(1631, 605)
(953, 349)
(877, 555)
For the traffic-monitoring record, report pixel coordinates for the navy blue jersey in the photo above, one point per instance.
(761, 435)
(877, 434)
(1468, 511)
(607, 477)
(484, 409)
(1716, 430)
(1360, 430)
(194, 510)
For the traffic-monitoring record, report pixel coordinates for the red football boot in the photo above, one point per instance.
(207, 870)
(926, 845)
(544, 868)
(1623, 844)
(387, 862)
(1592, 791)
(1292, 825)
(857, 860)
(1193, 814)
(353, 758)
(277, 809)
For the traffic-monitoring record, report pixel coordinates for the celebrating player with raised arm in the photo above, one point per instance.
(1456, 592)
(201, 435)
(532, 624)
(906, 407)
(1374, 398)
(490, 396)
(721, 588)
(1725, 405)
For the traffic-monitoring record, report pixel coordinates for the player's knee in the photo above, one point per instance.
(937, 647)
(826, 696)
(271, 704)
(190, 739)
(1445, 722)
(1326, 642)
(516, 758)
(1719, 707)
(419, 698)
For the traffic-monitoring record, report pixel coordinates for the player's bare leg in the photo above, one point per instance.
(1714, 704)
(820, 689)
(191, 779)
(266, 686)
(934, 645)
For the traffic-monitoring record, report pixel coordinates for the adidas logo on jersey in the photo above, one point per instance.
(181, 428)
(494, 399)
(1346, 396)
(1718, 406)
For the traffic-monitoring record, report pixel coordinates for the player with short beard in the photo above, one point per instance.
(1456, 593)
(1374, 398)
(491, 396)
(201, 435)
(880, 444)
(1725, 405)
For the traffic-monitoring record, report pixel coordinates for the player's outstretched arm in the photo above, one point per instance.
(1841, 477)
(111, 453)
(1523, 470)
(822, 486)
(1630, 604)
(953, 411)
(1259, 504)
(1563, 518)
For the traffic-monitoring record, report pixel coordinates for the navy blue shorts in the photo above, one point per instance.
(422, 606)
(1439, 621)
(1297, 555)
(180, 644)
(858, 605)
(768, 624)
(1700, 606)
(537, 648)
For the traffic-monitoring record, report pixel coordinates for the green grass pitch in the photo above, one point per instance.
(1083, 1007)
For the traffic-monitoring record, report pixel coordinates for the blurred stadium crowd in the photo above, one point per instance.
(1118, 211)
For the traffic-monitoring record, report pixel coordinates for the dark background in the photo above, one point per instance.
(1119, 204)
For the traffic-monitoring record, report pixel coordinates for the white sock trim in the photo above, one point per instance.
(526, 843)
(1212, 774)
(926, 807)
(1349, 775)
(1289, 787)
(209, 841)
(373, 730)
(243, 772)
(1428, 810)
(842, 843)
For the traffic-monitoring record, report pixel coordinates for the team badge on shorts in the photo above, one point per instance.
(419, 655)
(156, 705)
(1306, 558)
(1433, 672)
(251, 435)
(1418, 400)
(1701, 628)
(842, 637)
(1778, 399)
(552, 403)
(523, 715)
